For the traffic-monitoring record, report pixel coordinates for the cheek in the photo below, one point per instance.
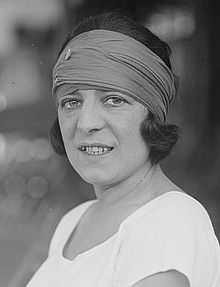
(67, 126)
(132, 145)
(136, 142)
(131, 129)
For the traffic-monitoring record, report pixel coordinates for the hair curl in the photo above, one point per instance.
(159, 137)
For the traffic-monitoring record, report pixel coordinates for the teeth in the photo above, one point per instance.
(95, 150)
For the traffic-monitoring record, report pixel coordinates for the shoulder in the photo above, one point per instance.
(181, 202)
(170, 209)
(184, 207)
(172, 232)
(71, 215)
(176, 218)
(76, 212)
(66, 225)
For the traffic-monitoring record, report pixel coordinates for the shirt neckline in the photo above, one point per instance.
(133, 215)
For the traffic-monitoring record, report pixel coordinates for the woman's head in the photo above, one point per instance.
(101, 134)
(157, 135)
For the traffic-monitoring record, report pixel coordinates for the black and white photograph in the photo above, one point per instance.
(109, 143)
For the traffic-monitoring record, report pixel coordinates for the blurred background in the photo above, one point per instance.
(37, 186)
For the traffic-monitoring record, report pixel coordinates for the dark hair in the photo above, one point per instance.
(159, 137)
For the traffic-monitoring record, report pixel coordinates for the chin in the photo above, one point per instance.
(96, 177)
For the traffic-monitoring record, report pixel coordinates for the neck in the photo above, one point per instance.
(128, 188)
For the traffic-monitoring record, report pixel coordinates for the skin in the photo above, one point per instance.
(109, 118)
(121, 176)
(171, 278)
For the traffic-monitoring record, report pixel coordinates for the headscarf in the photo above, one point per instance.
(103, 59)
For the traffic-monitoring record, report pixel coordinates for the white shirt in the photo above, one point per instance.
(172, 231)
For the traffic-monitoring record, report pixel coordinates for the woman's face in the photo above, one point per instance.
(101, 134)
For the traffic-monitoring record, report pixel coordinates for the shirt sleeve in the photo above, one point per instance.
(178, 237)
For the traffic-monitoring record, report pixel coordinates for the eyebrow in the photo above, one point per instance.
(63, 91)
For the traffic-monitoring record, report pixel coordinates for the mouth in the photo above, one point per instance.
(95, 149)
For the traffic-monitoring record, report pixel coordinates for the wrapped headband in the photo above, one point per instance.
(103, 59)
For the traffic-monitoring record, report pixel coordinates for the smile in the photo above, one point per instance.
(95, 150)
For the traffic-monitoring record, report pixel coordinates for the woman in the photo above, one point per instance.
(113, 85)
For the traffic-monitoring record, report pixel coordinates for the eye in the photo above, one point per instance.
(69, 104)
(115, 100)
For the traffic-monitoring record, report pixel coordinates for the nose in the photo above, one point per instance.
(90, 117)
